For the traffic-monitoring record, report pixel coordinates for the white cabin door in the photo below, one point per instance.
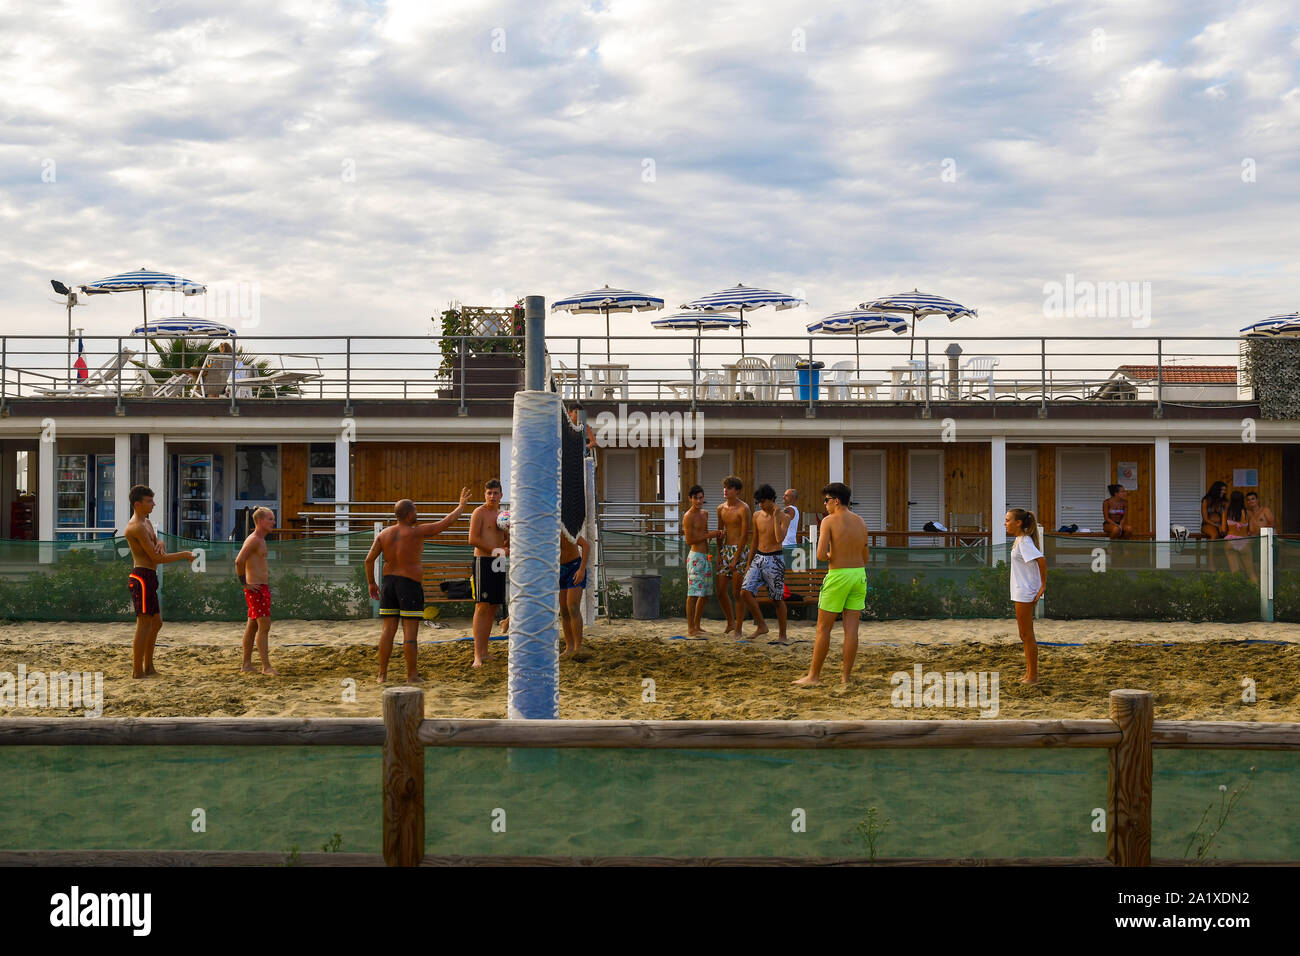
(925, 490)
(867, 484)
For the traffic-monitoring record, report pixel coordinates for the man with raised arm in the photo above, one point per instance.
(766, 563)
(147, 552)
(491, 552)
(402, 596)
(842, 543)
(734, 523)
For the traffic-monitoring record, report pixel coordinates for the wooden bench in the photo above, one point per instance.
(436, 572)
(806, 584)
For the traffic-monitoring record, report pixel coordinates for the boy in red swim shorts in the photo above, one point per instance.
(250, 565)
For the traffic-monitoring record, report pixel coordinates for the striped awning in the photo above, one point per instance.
(698, 322)
(919, 304)
(1274, 325)
(144, 279)
(607, 300)
(740, 297)
(183, 325)
(857, 322)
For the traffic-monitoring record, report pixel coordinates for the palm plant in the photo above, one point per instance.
(172, 355)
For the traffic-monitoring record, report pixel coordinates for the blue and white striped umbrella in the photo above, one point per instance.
(607, 300)
(857, 322)
(183, 325)
(918, 305)
(1274, 325)
(142, 280)
(741, 298)
(698, 322)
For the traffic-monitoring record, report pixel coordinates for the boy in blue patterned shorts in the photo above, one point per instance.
(699, 569)
(766, 563)
(734, 521)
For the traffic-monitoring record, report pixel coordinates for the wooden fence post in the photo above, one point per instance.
(403, 777)
(1128, 814)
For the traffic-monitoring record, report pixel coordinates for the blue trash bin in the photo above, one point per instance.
(809, 376)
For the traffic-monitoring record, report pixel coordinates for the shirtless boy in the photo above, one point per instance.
(734, 523)
(491, 547)
(573, 578)
(402, 545)
(1260, 517)
(766, 563)
(842, 544)
(250, 565)
(699, 570)
(147, 552)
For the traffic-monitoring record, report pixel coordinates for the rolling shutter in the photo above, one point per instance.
(1186, 487)
(620, 469)
(867, 482)
(925, 491)
(714, 466)
(1081, 480)
(772, 468)
(1022, 482)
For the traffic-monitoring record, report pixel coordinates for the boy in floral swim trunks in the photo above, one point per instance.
(734, 523)
(699, 567)
(766, 563)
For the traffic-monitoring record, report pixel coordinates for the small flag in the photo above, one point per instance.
(83, 371)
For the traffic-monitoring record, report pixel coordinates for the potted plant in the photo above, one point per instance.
(491, 365)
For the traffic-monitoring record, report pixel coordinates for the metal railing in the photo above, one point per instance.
(656, 368)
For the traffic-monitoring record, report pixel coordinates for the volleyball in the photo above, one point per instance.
(503, 521)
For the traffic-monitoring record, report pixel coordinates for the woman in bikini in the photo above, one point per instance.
(1237, 522)
(1212, 507)
(1114, 513)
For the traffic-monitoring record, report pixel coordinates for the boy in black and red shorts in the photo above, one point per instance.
(148, 553)
(250, 565)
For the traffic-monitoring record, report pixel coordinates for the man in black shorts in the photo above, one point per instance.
(147, 552)
(491, 548)
(402, 545)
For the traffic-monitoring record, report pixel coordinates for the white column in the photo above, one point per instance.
(158, 482)
(1160, 481)
(997, 491)
(46, 482)
(835, 467)
(1266, 574)
(342, 492)
(121, 482)
(503, 467)
(672, 487)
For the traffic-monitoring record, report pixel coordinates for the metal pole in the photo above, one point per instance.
(1042, 411)
(4, 371)
(1160, 378)
(607, 358)
(118, 409)
(808, 377)
(926, 413)
(234, 366)
(535, 343)
(461, 347)
(69, 340)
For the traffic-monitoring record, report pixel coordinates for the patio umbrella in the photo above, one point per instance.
(857, 322)
(740, 298)
(918, 305)
(1274, 325)
(142, 280)
(607, 300)
(698, 322)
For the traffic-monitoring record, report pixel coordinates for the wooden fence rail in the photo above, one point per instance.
(1130, 734)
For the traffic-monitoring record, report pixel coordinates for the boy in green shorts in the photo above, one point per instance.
(842, 543)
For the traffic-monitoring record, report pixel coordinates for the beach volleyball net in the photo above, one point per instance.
(322, 577)
(636, 802)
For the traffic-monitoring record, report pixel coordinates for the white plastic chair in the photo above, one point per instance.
(784, 374)
(836, 381)
(97, 382)
(754, 376)
(978, 369)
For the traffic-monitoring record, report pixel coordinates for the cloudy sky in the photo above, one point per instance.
(364, 163)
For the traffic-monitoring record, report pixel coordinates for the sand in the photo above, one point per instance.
(1196, 670)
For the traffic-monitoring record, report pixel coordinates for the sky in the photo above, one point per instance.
(362, 164)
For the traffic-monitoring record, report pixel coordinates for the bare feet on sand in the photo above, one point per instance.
(270, 671)
(783, 641)
(414, 679)
(486, 660)
(1026, 680)
(758, 633)
(805, 681)
(247, 668)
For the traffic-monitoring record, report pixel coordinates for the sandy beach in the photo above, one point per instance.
(1195, 670)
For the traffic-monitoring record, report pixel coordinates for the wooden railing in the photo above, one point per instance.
(1130, 734)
